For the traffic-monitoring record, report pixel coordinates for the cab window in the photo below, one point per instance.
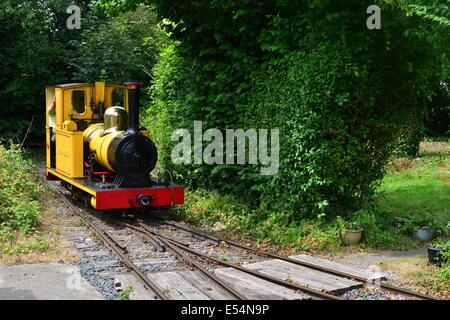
(78, 102)
(118, 97)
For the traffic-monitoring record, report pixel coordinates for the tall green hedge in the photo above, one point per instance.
(340, 94)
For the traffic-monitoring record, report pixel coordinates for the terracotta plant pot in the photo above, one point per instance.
(352, 236)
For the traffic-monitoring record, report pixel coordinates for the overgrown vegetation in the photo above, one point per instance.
(344, 98)
(410, 197)
(340, 95)
(42, 51)
(418, 273)
(37, 54)
(20, 204)
(130, 44)
(19, 192)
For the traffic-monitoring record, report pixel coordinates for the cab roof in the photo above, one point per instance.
(66, 85)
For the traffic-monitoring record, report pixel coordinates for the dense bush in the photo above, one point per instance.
(27, 65)
(431, 121)
(20, 192)
(408, 143)
(340, 94)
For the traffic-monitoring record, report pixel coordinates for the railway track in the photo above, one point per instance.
(384, 286)
(195, 259)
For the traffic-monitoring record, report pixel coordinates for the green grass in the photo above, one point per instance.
(418, 193)
(20, 203)
(437, 139)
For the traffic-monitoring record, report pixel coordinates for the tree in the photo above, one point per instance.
(35, 53)
(340, 94)
(122, 49)
(433, 118)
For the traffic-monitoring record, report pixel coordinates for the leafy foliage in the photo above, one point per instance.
(343, 97)
(116, 7)
(35, 54)
(433, 120)
(19, 192)
(25, 28)
(121, 49)
(42, 51)
(340, 94)
(21, 197)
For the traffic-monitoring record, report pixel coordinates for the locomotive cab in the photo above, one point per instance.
(97, 148)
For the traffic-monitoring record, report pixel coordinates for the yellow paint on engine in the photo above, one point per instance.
(100, 143)
(69, 108)
(69, 125)
(47, 146)
(94, 202)
(69, 153)
(70, 181)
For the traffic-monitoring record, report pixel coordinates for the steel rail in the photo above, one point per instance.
(120, 252)
(189, 261)
(319, 295)
(301, 263)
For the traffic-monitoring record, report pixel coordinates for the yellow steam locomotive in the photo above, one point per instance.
(96, 147)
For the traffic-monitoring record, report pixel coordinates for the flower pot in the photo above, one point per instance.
(424, 234)
(352, 236)
(434, 256)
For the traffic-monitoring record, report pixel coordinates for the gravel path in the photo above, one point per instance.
(371, 293)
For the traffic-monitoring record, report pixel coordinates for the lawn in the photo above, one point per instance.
(419, 190)
(416, 190)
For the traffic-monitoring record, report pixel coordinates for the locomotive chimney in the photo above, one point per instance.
(133, 106)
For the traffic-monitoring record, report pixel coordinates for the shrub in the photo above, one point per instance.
(409, 141)
(337, 124)
(340, 95)
(19, 192)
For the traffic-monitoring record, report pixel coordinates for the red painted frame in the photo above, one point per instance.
(124, 199)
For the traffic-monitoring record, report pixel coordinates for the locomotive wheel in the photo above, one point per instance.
(86, 202)
(75, 194)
